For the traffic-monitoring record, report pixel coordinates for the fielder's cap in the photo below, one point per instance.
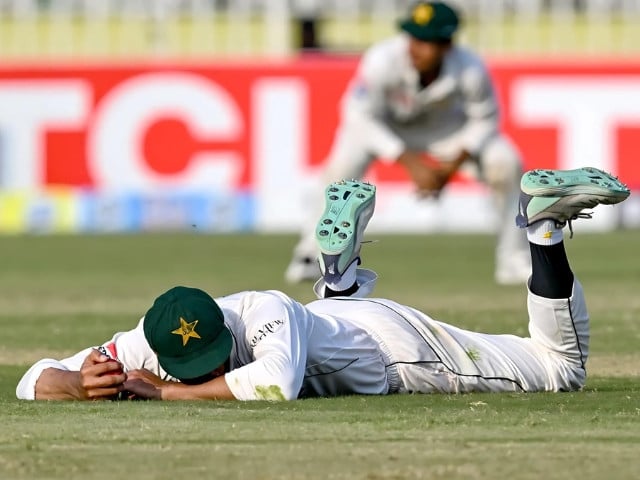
(431, 22)
(185, 327)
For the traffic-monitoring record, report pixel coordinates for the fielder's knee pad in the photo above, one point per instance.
(500, 164)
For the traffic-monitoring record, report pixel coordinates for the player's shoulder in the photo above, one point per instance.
(249, 296)
(464, 58)
(387, 56)
(388, 47)
(247, 310)
(257, 299)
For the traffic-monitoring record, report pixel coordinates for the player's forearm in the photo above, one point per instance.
(457, 162)
(215, 389)
(410, 159)
(56, 384)
(375, 135)
(477, 132)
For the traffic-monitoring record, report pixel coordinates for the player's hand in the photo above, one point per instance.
(101, 377)
(145, 385)
(428, 177)
(445, 172)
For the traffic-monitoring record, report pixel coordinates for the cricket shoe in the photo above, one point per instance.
(302, 268)
(561, 195)
(349, 205)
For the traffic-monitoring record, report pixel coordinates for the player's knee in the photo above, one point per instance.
(501, 164)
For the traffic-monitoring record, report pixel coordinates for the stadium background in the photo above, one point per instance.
(169, 114)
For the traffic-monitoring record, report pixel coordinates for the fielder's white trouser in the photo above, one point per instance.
(499, 166)
(552, 359)
(428, 356)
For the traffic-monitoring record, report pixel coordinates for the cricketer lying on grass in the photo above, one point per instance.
(265, 345)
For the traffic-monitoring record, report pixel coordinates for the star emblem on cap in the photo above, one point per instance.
(187, 330)
(422, 14)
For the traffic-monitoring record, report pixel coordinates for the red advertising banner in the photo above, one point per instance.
(135, 126)
(573, 114)
(247, 128)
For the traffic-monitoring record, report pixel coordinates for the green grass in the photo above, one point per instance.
(59, 294)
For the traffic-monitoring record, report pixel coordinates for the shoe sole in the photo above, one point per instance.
(344, 203)
(563, 183)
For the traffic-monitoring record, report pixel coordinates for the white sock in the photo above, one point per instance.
(346, 281)
(544, 232)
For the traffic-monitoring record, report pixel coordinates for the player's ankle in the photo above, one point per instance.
(544, 232)
(328, 292)
(341, 283)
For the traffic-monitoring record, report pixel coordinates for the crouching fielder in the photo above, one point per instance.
(265, 345)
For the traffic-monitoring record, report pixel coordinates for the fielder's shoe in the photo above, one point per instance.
(561, 195)
(349, 205)
(301, 269)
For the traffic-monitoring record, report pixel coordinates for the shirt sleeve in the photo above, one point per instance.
(480, 107)
(279, 347)
(130, 348)
(26, 387)
(134, 352)
(364, 106)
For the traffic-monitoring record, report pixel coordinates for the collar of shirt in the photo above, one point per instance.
(439, 88)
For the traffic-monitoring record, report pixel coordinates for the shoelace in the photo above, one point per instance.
(574, 217)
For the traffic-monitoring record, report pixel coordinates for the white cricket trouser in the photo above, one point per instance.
(429, 356)
(552, 359)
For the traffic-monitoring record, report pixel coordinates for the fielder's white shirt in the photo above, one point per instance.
(386, 90)
(281, 351)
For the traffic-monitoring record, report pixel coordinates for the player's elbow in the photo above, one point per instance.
(286, 388)
(284, 383)
(279, 390)
(357, 118)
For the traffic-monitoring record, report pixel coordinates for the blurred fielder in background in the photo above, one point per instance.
(419, 94)
(267, 346)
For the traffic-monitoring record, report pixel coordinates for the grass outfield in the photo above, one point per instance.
(59, 294)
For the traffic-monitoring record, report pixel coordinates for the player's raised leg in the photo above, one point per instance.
(348, 158)
(349, 205)
(551, 200)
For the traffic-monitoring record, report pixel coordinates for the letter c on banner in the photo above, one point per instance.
(116, 135)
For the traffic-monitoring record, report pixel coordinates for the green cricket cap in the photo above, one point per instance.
(185, 327)
(431, 22)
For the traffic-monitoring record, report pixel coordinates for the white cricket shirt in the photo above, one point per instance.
(386, 91)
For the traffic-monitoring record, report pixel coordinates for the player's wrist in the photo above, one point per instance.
(173, 391)
(56, 384)
(407, 157)
(75, 386)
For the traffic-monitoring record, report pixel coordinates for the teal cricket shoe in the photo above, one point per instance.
(561, 195)
(349, 205)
